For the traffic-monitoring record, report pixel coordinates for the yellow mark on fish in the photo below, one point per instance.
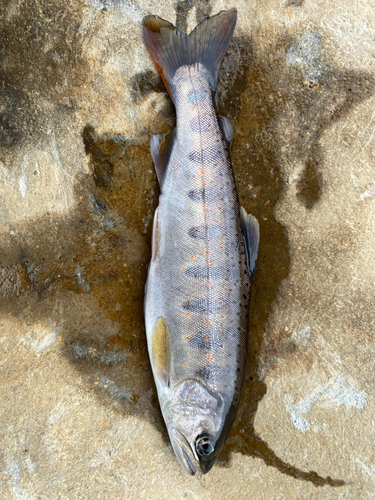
(160, 352)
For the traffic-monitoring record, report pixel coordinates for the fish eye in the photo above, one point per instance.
(204, 445)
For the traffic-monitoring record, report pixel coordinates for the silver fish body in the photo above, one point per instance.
(199, 280)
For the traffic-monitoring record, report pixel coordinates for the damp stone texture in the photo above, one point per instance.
(80, 98)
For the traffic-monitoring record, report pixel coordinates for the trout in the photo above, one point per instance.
(204, 249)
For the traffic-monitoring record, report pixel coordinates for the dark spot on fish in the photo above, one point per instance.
(207, 340)
(204, 233)
(202, 272)
(207, 155)
(195, 96)
(204, 305)
(202, 124)
(207, 372)
(206, 194)
(204, 372)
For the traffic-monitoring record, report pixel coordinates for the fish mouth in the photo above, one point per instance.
(187, 455)
(183, 452)
(192, 470)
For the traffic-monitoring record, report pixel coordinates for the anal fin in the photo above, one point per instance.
(250, 232)
(161, 146)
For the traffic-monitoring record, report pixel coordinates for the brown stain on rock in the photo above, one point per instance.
(294, 3)
(86, 273)
(143, 84)
(41, 66)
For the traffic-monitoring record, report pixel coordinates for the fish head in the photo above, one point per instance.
(196, 423)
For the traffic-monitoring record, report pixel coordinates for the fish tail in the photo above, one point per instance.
(170, 48)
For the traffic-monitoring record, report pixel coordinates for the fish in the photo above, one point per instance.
(204, 248)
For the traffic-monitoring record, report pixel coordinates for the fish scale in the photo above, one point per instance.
(199, 278)
(207, 299)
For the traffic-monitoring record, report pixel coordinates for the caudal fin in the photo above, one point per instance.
(170, 48)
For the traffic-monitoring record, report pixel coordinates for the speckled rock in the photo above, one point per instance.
(80, 97)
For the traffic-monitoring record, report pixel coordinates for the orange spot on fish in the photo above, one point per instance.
(209, 358)
(203, 172)
(204, 207)
(222, 317)
(207, 337)
(185, 365)
(180, 363)
(208, 321)
(183, 268)
(187, 314)
(211, 264)
(192, 257)
(190, 214)
(196, 230)
(187, 338)
(206, 252)
(216, 222)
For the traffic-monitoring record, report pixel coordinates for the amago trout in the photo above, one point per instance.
(204, 249)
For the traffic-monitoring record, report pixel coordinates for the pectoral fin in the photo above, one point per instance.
(160, 351)
(250, 232)
(161, 146)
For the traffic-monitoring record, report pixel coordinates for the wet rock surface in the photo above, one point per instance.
(79, 100)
